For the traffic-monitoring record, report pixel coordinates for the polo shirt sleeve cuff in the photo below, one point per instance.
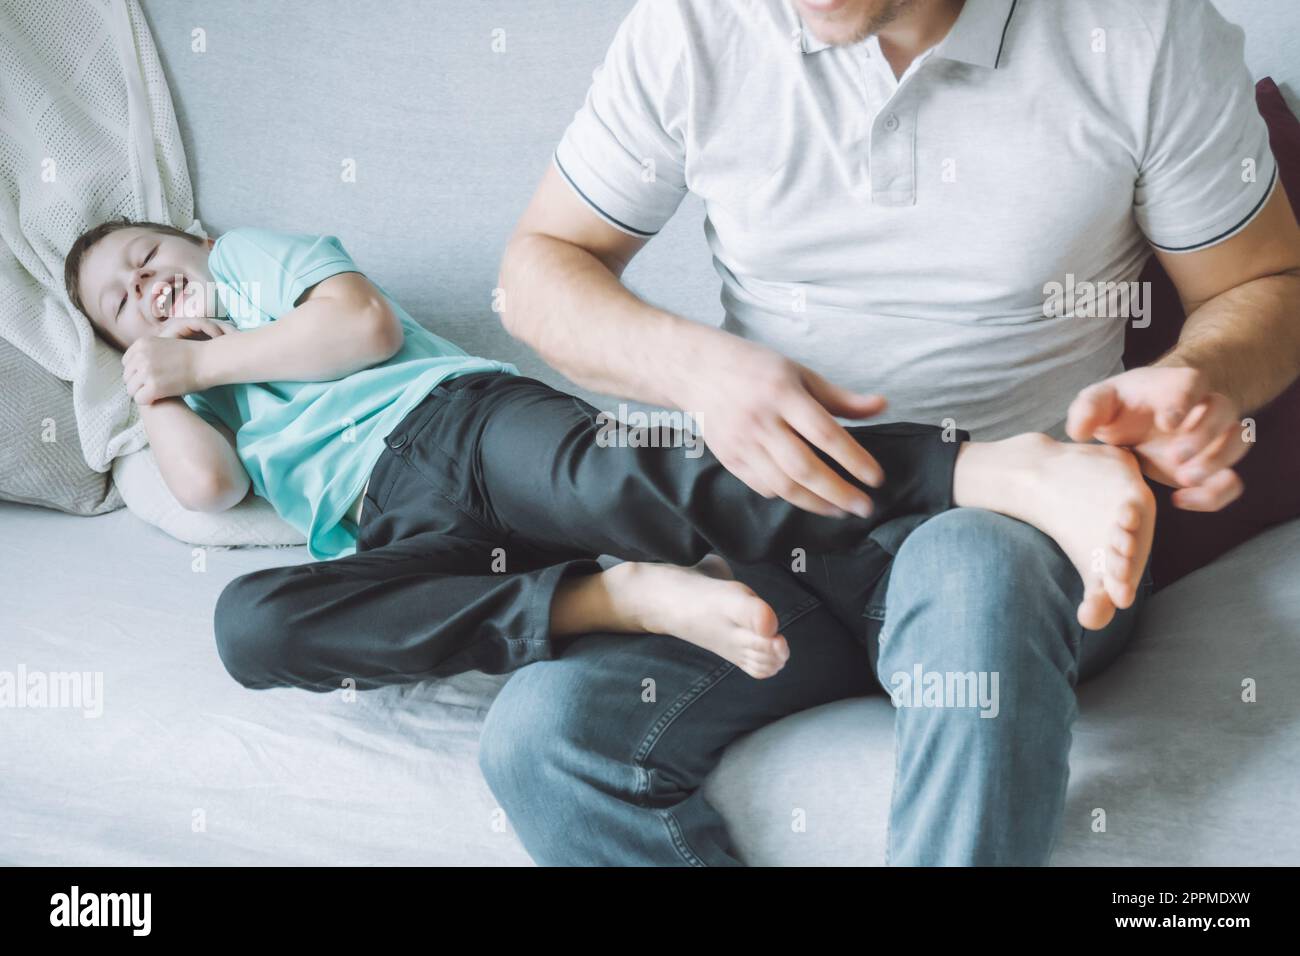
(616, 186)
(1228, 221)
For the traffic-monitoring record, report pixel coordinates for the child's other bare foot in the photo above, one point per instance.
(1090, 499)
(705, 606)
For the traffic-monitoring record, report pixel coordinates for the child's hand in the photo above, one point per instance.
(166, 364)
(198, 327)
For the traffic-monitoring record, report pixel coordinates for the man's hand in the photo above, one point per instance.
(760, 413)
(167, 364)
(1184, 434)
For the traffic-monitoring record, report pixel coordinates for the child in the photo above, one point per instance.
(458, 506)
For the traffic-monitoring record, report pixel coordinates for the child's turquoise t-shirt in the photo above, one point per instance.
(309, 447)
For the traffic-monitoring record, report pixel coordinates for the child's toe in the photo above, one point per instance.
(1119, 581)
(752, 613)
(1096, 609)
(1124, 542)
(1130, 516)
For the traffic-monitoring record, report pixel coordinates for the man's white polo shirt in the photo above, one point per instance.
(898, 235)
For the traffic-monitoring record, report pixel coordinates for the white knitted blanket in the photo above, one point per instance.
(87, 133)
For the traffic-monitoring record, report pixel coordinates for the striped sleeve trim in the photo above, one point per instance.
(1272, 185)
(588, 200)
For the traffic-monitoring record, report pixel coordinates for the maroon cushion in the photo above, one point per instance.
(1187, 540)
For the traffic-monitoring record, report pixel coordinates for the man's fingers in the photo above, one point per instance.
(1203, 425)
(819, 429)
(802, 469)
(1216, 492)
(1093, 408)
(1196, 415)
(841, 401)
(749, 477)
(1223, 452)
(771, 472)
(1174, 410)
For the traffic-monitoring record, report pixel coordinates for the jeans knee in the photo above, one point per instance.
(552, 761)
(249, 632)
(499, 751)
(982, 556)
(987, 584)
(518, 739)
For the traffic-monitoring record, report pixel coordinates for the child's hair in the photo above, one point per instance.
(86, 241)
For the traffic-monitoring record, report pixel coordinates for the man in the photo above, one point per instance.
(891, 186)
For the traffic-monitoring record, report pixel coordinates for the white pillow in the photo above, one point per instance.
(252, 521)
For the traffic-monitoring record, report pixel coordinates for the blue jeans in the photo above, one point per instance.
(591, 768)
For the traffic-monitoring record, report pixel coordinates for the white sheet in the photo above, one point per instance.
(280, 776)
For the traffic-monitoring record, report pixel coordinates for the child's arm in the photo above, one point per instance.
(197, 460)
(338, 326)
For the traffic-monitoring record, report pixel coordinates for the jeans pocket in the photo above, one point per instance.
(440, 456)
(382, 476)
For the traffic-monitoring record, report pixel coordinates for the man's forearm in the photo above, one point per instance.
(308, 344)
(583, 321)
(1245, 341)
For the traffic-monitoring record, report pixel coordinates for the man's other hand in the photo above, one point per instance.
(1184, 434)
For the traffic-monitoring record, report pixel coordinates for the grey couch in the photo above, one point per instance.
(449, 139)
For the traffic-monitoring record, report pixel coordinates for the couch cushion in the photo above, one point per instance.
(41, 462)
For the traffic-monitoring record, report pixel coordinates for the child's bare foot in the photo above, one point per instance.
(1091, 499)
(702, 605)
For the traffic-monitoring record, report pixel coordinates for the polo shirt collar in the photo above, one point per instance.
(808, 41)
(979, 34)
(976, 38)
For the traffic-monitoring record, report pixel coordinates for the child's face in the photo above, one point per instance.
(133, 281)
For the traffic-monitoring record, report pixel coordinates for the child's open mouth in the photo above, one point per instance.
(167, 302)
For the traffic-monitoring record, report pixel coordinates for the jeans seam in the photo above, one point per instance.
(893, 792)
(881, 639)
(1075, 636)
(675, 710)
(703, 684)
(678, 706)
(679, 838)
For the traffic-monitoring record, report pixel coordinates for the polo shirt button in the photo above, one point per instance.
(891, 122)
